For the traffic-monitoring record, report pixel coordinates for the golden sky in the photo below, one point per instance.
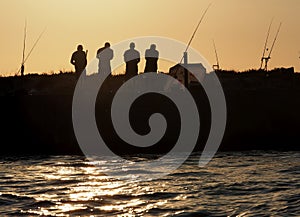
(238, 27)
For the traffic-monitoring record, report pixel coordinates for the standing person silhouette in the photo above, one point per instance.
(151, 56)
(132, 58)
(79, 60)
(105, 54)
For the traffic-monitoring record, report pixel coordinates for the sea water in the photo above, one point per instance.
(232, 184)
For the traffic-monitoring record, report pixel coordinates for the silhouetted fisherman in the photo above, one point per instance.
(151, 56)
(132, 58)
(105, 54)
(79, 60)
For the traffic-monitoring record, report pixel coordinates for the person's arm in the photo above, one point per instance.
(85, 60)
(139, 58)
(72, 61)
(98, 53)
(125, 57)
(112, 55)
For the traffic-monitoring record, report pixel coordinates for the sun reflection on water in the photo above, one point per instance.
(72, 186)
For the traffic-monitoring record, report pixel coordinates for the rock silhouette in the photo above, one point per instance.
(263, 113)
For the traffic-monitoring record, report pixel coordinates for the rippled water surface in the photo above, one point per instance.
(232, 184)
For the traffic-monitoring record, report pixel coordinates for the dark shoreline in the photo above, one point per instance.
(263, 114)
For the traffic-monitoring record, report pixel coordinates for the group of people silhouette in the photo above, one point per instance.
(105, 55)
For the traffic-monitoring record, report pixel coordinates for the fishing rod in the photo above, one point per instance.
(217, 58)
(275, 40)
(195, 31)
(266, 42)
(266, 59)
(24, 42)
(186, 74)
(187, 47)
(28, 55)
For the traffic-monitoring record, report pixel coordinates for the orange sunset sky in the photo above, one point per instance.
(239, 28)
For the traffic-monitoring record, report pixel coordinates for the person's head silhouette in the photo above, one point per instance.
(153, 47)
(107, 44)
(79, 47)
(132, 45)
